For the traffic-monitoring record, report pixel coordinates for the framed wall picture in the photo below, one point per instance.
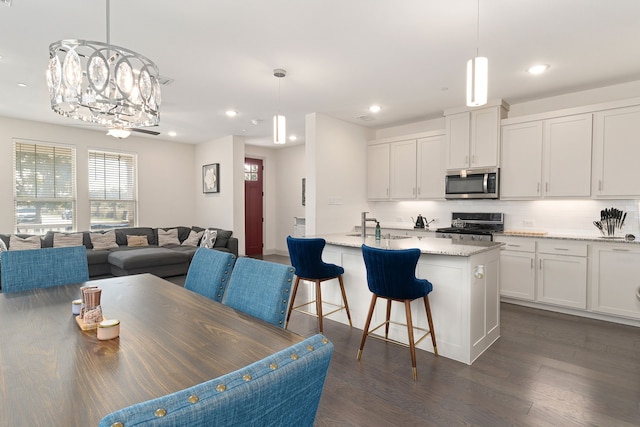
(211, 178)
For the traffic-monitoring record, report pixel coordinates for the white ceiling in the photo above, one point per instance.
(341, 55)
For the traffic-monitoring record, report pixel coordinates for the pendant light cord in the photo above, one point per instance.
(477, 29)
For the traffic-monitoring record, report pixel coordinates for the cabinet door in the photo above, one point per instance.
(517, 274)
(567, 156)
(431, 167)
(521, 169)
(403, 169)
(458, 131)
(378, 172)
(616, 280)
(562, 280)
(616, 153)
(485, 137)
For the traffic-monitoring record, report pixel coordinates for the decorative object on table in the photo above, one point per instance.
(76, 306)
(211, 178)
(108, 329)
(91, 312)
(610, 221)
(104, 84)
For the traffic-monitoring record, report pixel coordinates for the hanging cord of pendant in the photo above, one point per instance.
(477, 30)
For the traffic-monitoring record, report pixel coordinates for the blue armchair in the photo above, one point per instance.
(260, 289)
(283, 389)
(209, 273)
(391, 274)
(43, 268)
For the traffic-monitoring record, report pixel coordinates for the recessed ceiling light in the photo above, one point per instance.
(171, 133)
(22, 85)
(375, 108)
(538, 69)
(293, 138)
(231, 113)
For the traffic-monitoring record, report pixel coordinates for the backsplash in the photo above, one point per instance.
(571, 217)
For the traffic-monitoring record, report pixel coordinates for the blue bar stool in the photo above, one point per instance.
(391, 274)
(306, 258)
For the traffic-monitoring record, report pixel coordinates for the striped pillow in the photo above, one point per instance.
(101, 241)
(61, 240)
(18, 243)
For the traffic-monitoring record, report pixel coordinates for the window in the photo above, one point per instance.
(112, 190)
(45, 187)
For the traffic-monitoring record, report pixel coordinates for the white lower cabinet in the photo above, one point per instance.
(517, 268)
(615, 274)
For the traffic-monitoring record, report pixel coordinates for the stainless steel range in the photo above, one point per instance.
(473, 226)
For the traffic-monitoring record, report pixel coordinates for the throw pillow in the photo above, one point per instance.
(168, 237)
(3, 247)
(137, 241)
(193, 239)
(209, 239)
(102, 241)
(61, 240)
(17, 243)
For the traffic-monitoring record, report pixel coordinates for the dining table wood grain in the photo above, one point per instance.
(54, 373)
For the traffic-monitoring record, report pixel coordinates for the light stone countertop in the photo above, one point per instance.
(426, 245)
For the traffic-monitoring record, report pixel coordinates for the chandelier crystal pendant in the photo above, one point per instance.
(279, 121)
(477, 74)
(103, 84)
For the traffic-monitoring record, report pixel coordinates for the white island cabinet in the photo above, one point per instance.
(464, 301)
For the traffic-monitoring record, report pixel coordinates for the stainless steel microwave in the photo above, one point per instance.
(472, 184)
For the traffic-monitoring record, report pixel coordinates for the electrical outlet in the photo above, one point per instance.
(528, 223)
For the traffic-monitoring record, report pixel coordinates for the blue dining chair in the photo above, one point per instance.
(306, 258)
(260, 288)
(283, 389)
(209, 273)
(43, 268)
(391, 274)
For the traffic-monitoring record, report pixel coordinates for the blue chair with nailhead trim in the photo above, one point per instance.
(209, 273)
(261, 289)
(43, 268)
(391, 274)
(283, 389)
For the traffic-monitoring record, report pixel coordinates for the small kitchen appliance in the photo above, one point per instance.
(419, 222)
(479, 226)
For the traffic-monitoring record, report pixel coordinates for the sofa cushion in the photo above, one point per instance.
(193, 239)
(61, 240)
(168, 237)
(209, 239)
(146, 257)
(102, 241)
(122, 233)
(17, 243)
(133, 240)
(222, 238)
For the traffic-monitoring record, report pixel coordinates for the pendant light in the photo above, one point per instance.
(477, 74)
(279, 121)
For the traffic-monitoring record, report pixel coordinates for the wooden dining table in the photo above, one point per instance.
(54, 373)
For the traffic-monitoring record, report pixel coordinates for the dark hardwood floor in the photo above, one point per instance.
(547, 369)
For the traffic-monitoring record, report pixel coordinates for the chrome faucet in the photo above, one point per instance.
(363, 224)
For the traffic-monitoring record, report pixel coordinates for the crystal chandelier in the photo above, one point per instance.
(103, 84)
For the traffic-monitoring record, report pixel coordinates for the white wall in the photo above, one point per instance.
(291, 170)
(336, 154)
(165, 177)
(226, 208)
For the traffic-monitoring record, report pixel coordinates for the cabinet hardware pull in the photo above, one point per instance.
(599, 185)
(466, 159)
(540, 262)
(546, 187)
(561, 249)
(532, 263)
(538, 189)
(620, 250)
(387, 191)
(638, 293)
(513, 246)
(414, 191)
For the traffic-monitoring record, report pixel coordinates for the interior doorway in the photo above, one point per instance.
(253, 206)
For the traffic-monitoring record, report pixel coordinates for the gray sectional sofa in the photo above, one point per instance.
(163, 261)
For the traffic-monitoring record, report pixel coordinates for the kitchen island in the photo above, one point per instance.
(464, 301)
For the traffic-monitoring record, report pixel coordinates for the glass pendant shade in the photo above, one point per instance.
(477, 81)
(103, 84)
(279, 129)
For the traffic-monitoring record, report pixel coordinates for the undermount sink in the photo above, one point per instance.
(384, 236)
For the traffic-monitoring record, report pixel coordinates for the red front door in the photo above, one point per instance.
(253, 206)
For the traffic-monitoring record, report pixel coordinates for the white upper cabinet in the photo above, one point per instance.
(378, 171)
(616, 143)
(473, 138)
(431, 167)
(547, 158)
(403, 169)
